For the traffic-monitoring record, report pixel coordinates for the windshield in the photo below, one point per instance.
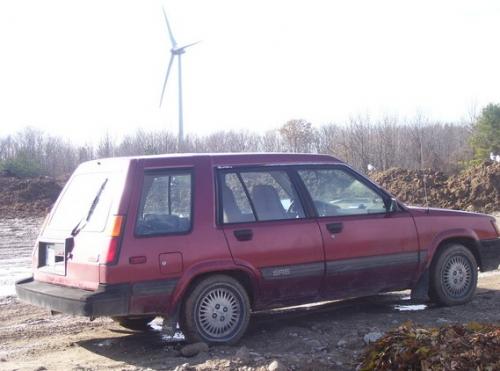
(87, 196)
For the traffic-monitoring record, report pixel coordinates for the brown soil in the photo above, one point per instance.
(327, 337)
(27, 197)
(475, 189)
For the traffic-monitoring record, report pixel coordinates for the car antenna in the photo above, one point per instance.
(424, 180)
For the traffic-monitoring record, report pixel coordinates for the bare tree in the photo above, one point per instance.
(105, 148)
(271, 141)
(389, 142)
(297, 136)
(358, 141)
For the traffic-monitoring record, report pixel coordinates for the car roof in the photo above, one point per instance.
(267, 158)
(221, 159)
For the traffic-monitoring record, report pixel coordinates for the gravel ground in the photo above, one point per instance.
(328, 336)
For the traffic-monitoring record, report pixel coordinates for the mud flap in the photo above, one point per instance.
(420, 292)
(170, 323)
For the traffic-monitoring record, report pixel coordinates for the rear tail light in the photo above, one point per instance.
(114, 232)
(112, 252)
(114, 227)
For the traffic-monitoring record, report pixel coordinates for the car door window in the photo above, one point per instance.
(272, 195)
(337, 192)
(259, 196)
(235, 204)
(165, 204)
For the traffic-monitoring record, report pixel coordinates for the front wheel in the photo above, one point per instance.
(453, 277)
(217, 310)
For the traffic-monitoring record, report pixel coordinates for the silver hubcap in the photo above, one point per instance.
(219, 312)
(457, 276)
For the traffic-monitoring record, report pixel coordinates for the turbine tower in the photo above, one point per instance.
(175, 51)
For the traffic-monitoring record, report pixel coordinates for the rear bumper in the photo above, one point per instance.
(489, 252)
(107, 300)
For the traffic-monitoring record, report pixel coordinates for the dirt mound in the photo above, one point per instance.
(453, 347)
(475, 189)
(408, 185)
(24, 197)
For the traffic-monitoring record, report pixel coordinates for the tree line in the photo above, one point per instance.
(362, 142)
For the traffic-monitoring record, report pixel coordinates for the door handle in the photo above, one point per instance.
(243, 234)
(334, 227)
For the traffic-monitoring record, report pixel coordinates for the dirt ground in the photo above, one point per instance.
(328, 336)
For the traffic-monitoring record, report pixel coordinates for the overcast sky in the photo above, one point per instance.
(81, 68)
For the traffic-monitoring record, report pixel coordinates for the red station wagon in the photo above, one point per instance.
(205, 239)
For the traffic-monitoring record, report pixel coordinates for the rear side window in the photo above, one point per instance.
(259, 196)
(166, 203)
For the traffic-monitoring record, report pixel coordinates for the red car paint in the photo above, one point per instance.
(285, 262)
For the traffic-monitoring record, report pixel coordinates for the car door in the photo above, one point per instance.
(267, 230)
(368, 249)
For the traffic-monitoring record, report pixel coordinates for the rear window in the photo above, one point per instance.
(76, 202)
(166, 203)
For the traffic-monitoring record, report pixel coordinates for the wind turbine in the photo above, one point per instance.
(175, 51)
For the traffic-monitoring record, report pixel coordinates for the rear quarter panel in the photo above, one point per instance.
(201, 250)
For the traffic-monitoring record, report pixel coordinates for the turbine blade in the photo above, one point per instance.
(172, 39)
(166, 77)
(188, 45)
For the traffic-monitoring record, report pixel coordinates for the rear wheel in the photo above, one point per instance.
(453, 277)
(134, 323)
(217, 310)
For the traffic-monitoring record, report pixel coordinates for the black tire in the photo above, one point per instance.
(453, 275)
(134, 323)
(215, 311)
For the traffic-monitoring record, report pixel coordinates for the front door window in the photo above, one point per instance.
(335, 192)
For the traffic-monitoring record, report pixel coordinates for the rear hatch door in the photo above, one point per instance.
(76, 237)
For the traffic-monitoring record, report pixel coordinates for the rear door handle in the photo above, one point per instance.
(334, 227)
(243, 234)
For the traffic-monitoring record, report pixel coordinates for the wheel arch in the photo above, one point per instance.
(467, 241)
(440, 290)
(239, 275)
(191, 277)
(421, 287)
